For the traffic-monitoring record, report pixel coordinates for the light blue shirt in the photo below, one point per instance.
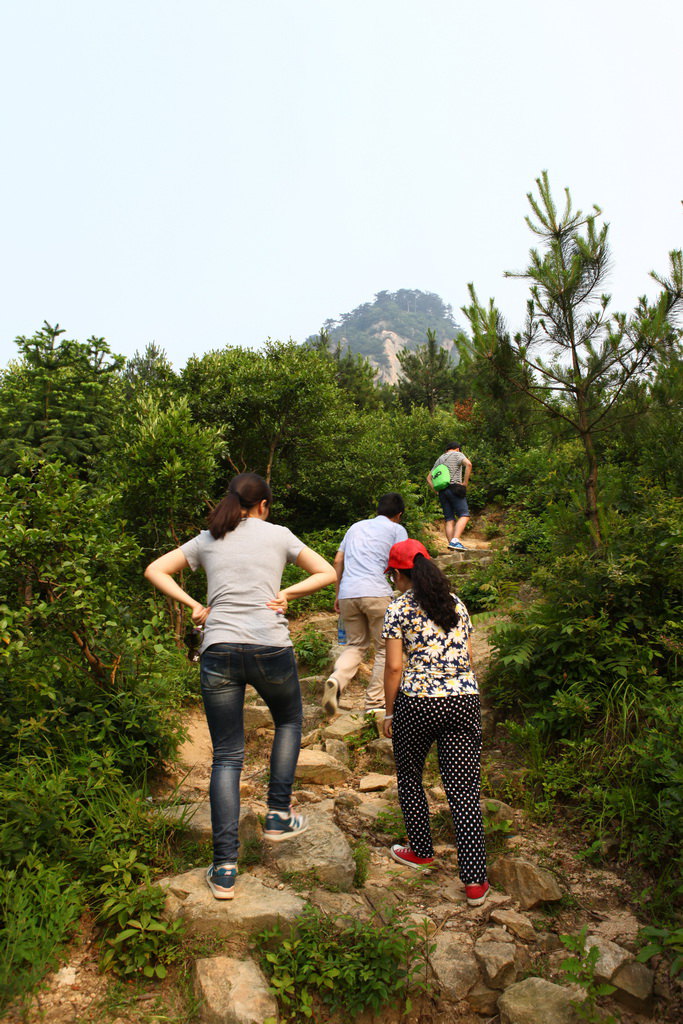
(366, 547)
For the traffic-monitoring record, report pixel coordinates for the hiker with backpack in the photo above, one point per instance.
(449, 477)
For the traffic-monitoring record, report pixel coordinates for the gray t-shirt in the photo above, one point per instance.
(455, 462)
(366, 548)
(243, 572)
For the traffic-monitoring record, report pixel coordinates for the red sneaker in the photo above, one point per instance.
(476, 894)
(404, 855)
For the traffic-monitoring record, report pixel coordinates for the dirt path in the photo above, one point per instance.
(78, 994)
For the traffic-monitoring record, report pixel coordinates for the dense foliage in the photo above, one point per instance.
(107, 463)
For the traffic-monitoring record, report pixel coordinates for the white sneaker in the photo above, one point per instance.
(331, 697)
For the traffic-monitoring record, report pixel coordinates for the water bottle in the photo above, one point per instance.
(341, 631)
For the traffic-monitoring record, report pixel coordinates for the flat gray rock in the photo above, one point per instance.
(322, 850)
(516, 923)
(319, 768)
(374, 781)
(345, 725)
(254, 907)
(232, 992)
(537, 1001)
(612, 956)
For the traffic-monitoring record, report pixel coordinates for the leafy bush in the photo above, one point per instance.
(137, 937)
(312, 648)
(39, 903)
(347, 964)
(595, 669)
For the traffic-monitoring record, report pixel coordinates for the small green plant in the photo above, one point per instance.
(361, 857)
(365, 736)
(346, 964)
(666, 941)
(496, 832)
(137, 938)
(580, 969)
(390, 823)
(313, 649)
(251, 852)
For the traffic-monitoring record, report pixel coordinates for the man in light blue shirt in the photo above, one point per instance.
(363, 595)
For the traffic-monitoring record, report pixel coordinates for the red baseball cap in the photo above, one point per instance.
(402, 555)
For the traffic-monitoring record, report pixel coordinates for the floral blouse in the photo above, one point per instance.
(438, 663)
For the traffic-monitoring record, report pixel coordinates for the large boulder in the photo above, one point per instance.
(526, 881)
(232, 991)
(254, 907)
(322, 851)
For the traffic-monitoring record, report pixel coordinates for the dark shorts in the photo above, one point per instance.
(453, 506)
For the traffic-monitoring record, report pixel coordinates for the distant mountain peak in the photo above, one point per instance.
(380, 329)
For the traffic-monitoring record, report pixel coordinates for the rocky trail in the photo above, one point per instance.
(495, 964)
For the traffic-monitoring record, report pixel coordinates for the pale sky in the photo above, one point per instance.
(220, 172)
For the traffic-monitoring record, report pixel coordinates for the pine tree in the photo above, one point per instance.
(580, 357)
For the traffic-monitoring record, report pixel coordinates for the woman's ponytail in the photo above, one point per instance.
(245, 491)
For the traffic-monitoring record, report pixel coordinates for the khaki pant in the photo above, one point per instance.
(363, 619)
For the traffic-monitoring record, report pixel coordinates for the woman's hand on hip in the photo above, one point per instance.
(279, 603)
(200, 614)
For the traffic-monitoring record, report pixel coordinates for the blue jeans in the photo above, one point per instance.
(225, 671)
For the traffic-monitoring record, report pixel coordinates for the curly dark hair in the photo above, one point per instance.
(432, 592)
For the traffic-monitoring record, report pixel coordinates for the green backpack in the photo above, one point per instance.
(441, 478)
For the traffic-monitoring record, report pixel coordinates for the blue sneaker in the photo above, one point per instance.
(221, 881)
(283, 825)
(456, 545)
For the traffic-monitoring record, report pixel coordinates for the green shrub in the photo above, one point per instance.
(39, 904)
(312, 648)
(137, 936)
(594, 669)
(361, 858)
(347, 964)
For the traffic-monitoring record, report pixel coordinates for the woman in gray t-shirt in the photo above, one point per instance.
(246, 640)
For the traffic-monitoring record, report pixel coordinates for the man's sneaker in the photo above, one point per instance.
(221, 881)
(331, 697)
(283, 825)
(476, 894)
(404, 855)
(456, 545)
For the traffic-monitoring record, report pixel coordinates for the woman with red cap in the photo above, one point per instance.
(435, 698)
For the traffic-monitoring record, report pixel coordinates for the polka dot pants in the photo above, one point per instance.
(455, 724)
